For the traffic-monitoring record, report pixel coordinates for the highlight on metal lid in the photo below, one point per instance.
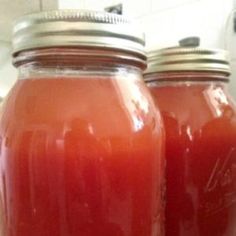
(76, 28)
(188, 56)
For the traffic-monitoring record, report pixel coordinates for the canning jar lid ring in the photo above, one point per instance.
(78, 28)
(176, 59)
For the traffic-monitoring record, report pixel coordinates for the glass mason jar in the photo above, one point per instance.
(189, 85)
(81, 140)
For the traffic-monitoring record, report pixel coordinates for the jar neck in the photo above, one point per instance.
(189, 84)
(187, 77)
(66, 62)
(78, 57)
(35, 70)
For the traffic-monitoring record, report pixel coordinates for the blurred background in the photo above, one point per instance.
(165, 22)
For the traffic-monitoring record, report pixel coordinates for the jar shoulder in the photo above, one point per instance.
(196, 106)
(88, 108)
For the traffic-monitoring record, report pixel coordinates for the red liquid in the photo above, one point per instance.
(80, 157)
(200, 122)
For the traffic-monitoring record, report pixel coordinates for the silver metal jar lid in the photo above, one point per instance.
(188, 58)
(73, 28)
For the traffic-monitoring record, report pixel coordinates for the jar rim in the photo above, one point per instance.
(76, 56)
(187, 76)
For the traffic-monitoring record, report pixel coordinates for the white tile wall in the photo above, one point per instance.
(135, 9)
(8, 75)
(71, 4)
(101, 4)
(160, 5)
(49, 4)
(195, 18)
(87, 4)
(9, 11)
(158, 29)
(229, 39)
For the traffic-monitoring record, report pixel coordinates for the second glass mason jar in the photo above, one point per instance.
(81, 140)
(189, 85)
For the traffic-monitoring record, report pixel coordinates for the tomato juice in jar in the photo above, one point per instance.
(189, 85)
(81, 140)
